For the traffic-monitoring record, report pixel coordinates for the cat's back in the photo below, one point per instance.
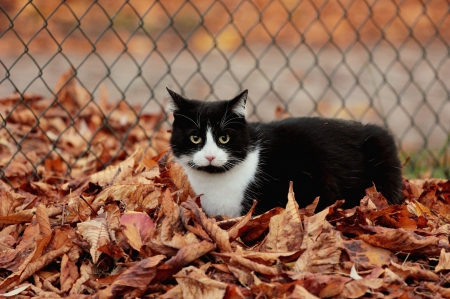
(328, 157)
(315, 128)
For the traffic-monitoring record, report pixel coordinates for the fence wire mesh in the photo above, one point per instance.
(379, 61)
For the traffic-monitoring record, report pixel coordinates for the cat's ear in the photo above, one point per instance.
(238, 103)
(175, 100)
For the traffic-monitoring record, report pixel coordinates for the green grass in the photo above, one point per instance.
(428, 163)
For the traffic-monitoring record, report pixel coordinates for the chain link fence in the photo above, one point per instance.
(378, 61)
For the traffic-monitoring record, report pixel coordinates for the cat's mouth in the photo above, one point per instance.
(210, 168)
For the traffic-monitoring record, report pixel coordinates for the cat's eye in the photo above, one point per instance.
(224, 139)
(196, 139)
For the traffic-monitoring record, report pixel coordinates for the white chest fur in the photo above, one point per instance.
(223, 193)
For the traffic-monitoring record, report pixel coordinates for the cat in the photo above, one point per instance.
(231, 161)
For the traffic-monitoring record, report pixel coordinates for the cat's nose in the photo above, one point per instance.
(210, 158)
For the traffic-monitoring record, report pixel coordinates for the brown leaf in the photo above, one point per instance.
(31, 248)
(9, 202)
(95, 232)
(244, 277)
(86, 273)
(112, 218)
(313, 227)
(286, 229)
(135, 196)
(172, 233)
(183, 257)
(366, 255)
(415, 272)
(19, 217)
(433, 199)
(237, 292)
(112, 250)
(357, 288)
(23, 252)
(179, 178)
(69, 273)
(43, 261)
(301, 292)
(43, 220)
(322, 285)
(322, 256)
(444, 261)
(444, 292)
(398, 239)
(267, 258)
(391, 277)
(134, 280)
(375, 197)
(173, 293)
(260, 268)
(188, 254)
(116, 173)
(219, 235)
(195, 284)
(237, 229)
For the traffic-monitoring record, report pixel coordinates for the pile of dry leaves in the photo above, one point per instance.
(136, 229)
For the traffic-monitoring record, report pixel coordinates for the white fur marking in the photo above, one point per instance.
(210, 149)
(239, 108)
(223, 193)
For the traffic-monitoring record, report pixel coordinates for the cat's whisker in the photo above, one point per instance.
(231, 121)
(224, 117)
(199, 116)
(235, 122)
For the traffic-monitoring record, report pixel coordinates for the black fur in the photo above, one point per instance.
(330, 158)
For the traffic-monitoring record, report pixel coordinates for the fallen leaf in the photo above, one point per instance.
(322, 256)
(195, 284)
(260, 268)
(16, 291)
(366, 255)
(301, 292)
(398, 239)
(285, 230)
(95, 232)
(237, 229)
(210, 226)
(444, 292)
(415, 272)
(69, 273)
(134, 280)
(444, 261)
(357, 288)
(137, 228)
(189, 254)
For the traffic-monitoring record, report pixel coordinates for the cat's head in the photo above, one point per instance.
(209, 136)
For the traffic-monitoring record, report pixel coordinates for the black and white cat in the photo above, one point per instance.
(231, 161)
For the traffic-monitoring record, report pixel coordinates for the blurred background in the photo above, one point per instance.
(375, 61)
